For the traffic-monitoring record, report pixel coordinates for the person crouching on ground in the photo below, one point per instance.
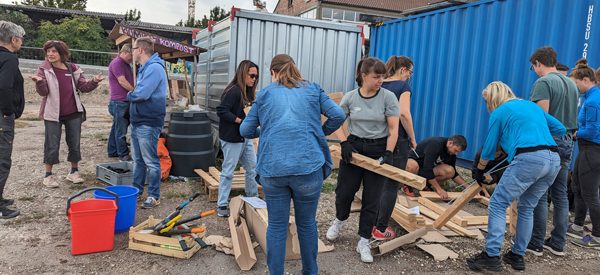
(238, 95)
(373, 119)
(147, 116)
(586, 173)
(525, 132)
(293, 157)
(58, 82)
(12, 104)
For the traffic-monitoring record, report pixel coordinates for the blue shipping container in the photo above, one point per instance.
(458, 51)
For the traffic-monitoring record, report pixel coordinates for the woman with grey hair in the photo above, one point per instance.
(12, 103)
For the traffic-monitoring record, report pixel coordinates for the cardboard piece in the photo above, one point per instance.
(398, 242)
(479, 234)
(435, 237)
(258, 227)
(439, 252)
(243, 249)
(356, 206)
(220, 243)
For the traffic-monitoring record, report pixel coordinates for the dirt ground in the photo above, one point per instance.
(39, 240)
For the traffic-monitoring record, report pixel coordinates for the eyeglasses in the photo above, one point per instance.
(132, 49)
(531, 68)
(411, 72)
(253, 76)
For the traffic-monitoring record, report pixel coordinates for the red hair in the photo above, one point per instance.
(60, 47)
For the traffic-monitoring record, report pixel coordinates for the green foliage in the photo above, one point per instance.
(22, 20)
(78, 32)
(61, 4)
(133, 15)
(216, 14)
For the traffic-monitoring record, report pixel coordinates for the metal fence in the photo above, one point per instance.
(77, 56)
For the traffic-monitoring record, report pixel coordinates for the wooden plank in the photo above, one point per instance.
(431, 195)
(476, 220)
(484, 200)
(164, 251)
(402, 201)
(216, 174)
(513, 214)
(122, 40)
(457, 205)
(452, 226)
(440, 210)
(385, 169)
(207, 178)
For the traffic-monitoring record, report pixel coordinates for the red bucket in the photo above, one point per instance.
(92, 223)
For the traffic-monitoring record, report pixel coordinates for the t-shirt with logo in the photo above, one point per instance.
(367, 115)
(563, 94)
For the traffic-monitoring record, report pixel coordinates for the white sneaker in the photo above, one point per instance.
(334, 230)
(364, 248)
(50, 182)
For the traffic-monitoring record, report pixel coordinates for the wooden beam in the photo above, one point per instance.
(513, 214)
(214, 173)
(402, 201)
(208, 179)
(452, 226)
(122, 39)
(457, 205)
(431, 195)
(175, 55)
(480, 220)
(485, 201)
(440, 210)
(385, 169)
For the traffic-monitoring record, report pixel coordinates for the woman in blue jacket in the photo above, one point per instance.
(586, 172)
(293, 157)
(524, 132)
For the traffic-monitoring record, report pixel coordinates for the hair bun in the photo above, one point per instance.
(582, 63)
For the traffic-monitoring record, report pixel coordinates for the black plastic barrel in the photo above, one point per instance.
(190, 142)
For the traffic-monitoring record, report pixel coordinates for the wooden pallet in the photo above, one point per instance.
(150, 242)
(211, 179)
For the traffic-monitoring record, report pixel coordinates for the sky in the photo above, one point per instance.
(165, 11)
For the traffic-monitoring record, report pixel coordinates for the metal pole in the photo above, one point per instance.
(195, 89)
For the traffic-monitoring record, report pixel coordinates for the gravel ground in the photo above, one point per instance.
(38, 241)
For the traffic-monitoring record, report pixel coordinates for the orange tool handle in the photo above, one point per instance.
(207, 213)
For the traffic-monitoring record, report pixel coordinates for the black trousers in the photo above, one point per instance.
(349, 181)
(585, 184)
(53, 131)
(7, 135)
(390, 192)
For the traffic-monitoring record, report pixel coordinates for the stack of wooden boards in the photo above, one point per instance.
(211, 179)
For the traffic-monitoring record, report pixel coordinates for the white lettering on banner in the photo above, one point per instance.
(158, 40)
(588, 30)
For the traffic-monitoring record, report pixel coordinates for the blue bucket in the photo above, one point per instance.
(127, 203)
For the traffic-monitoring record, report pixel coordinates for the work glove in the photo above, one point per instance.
(388, 158)
(347, 150)
(479, 177)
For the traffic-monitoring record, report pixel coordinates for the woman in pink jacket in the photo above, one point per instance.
(55, 81)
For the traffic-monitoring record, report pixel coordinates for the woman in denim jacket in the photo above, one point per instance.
(525, 133)
(293, 157)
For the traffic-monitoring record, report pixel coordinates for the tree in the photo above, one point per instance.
(78, 32)
(61, 4)
(133, 15)
(22, 20)
(216, 14)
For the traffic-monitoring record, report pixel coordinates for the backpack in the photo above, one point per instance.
(165, 160)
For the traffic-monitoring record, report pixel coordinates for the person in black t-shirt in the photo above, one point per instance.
(499, 157)
(435, 160)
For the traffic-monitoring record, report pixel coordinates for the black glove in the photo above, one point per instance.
(479, 177)
(388, 158)
(347, 150)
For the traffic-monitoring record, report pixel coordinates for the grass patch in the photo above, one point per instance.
(105, 92)
(19, 220)
(32, 118)
(175, 195)
(100, 137)
(334, 173)
(219, 164)
(77, 187)
(25, 198)
(328, 187)
(38, 216)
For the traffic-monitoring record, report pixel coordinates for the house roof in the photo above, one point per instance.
(64, 11)
(388, 5)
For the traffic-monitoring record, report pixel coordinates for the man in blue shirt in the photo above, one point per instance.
(147, 116)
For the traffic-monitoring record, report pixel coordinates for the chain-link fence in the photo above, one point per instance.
(77, 56)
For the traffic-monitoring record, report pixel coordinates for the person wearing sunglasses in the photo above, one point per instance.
(293, 157)
(12, 104)
(59, 82)
(238, 94)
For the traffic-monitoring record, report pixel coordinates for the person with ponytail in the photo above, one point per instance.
(586, 172)
(240, 92)
(399, 71)
(293, 157)
(373, 118)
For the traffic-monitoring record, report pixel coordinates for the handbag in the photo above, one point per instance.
(84, 116)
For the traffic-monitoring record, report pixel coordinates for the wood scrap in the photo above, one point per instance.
(439, 252)
(403, 201)
(484, 200)
(431, 195)
(386, 170)
(440, 210)
(408, 219)
(216, 174)
(454, 227)
(457, 205)
(206, 178)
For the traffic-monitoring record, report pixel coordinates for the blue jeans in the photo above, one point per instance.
(558, 194)
(305, 191)
(527, 178)
(117, 140)
(144, 147)
(232, 153)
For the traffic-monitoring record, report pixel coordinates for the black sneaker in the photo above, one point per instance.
(553, 249)
(8, 202)
(8, 214)
(222, 211)
(535, 250)
(483, 261)
(514, 260)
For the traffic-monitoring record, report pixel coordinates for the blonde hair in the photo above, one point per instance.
(497, 93)
(287, 72)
